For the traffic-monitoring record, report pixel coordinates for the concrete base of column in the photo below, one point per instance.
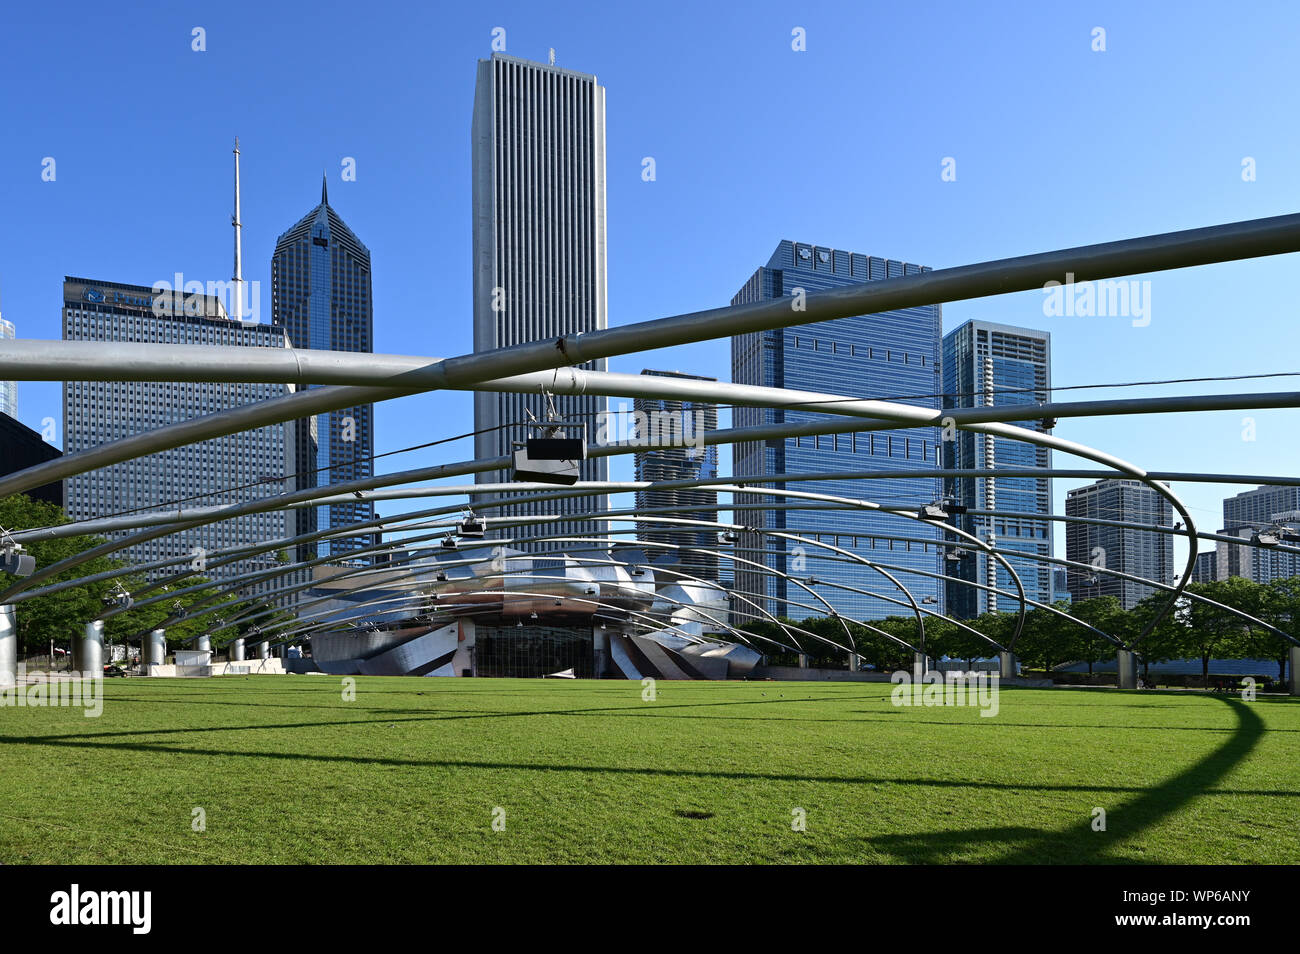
(204, 644)
(237, 651)
(1007, 665)
(803, 660)
(88, 652)
(154, 650)
(1127, 664)
(8, 646)
(264, 650)
(920, 663)
(1293, 663)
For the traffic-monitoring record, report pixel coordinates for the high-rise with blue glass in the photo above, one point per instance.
(658, 418)
(320, 293)
(991, 365)
(895, 355)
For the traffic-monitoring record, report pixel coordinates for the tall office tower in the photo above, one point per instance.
(233, 469)
(539, 253)
(1246, 514)
(8, 389)
(321, 296)
(1128, 550)
(1060, 585)
(894, 354)
(991, 365)
(670, 419)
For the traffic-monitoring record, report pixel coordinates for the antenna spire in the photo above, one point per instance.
(238, 280)
(324, 189)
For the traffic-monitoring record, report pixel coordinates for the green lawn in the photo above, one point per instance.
(412, 771)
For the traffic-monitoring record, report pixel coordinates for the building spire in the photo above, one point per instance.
(324, 189)
(238, 280)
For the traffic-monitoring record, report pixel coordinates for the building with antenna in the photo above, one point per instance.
(321, 296)
(237, 280)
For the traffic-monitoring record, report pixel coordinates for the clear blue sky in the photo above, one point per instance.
(1055, 145)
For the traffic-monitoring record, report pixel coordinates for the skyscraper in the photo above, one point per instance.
(988, 365)
(894, 354)
(237, 468)
(8, 389)
(1246, 514)
(321, 295)
(20, 448)
(1207, 567)
(662, 418)
(538, 140)
(1129, 550)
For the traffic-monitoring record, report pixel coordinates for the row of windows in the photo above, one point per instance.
(870, 352)
(877, 445)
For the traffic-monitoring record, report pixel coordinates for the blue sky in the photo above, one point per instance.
(1055, 145)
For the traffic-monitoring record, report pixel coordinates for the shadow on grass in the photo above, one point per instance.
(1140, 813)
(1079, 844)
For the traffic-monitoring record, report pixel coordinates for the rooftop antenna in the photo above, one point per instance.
(238, 280)
(552, 56)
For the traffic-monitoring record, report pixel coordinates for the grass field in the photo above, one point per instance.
(413, 769)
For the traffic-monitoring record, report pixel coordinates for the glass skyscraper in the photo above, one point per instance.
(991, 365)
(8, 389)
(538, 138)
(692, 462)
(321, 295)
(892, 355)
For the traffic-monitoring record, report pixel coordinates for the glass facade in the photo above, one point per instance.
(695, 462)
(8, 389)
(321, 294)
(991, 365)
(893, 355)
(531, 652)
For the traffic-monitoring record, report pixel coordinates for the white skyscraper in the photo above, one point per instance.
(8, 389)
(234, 469)
(539, 246)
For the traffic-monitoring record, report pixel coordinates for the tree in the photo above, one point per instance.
(1105, 613)
(58, 617)
(1214, 631)
(1047, 640)
(1280, 607)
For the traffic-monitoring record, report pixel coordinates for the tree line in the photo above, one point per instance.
(1193, 630)
(58, 618)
